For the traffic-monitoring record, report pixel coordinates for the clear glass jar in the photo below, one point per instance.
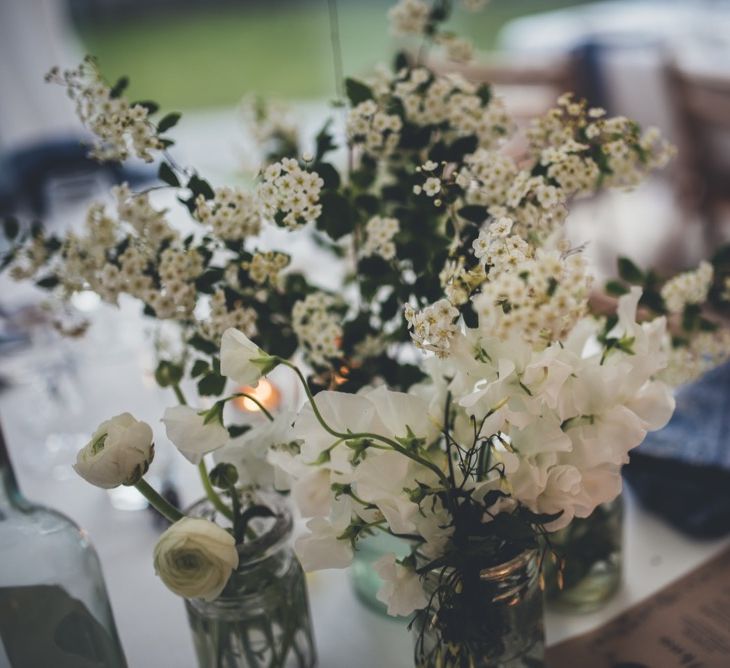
(54, 609)
(586, 569)
(364, 578)
(501, 625)
(261, 619)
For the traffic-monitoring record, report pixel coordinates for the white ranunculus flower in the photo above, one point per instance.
(187, 430)
(322, 547)
(242, 360)
(195, 558)
(402, 591)
(119, 453)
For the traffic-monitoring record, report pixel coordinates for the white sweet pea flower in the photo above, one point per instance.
(119, 453)
(242, 360)
(399, 412)
(322, 547)
(195, 558)
(249, 453)
(187, 429)
(342, 412)
(402, 591)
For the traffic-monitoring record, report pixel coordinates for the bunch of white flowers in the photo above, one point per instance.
(462, 107)
(122, 128)
(690, 287)
(409, 17)
(233, 214)
(433, 327)
(376, 131)
(223, 316)
(380, 231)
(508, 424)
(267, 267)
(290, 194)
(317, 327)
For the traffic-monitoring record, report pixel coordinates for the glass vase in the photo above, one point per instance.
(261, 619)
(364, 578)
(54, 609)
(586, 568)
(498, 624)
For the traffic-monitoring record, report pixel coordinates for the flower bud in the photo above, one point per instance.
(119, 453)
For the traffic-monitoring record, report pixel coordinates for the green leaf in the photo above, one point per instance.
(166, 174)
(11, 228)
(200, 187)
(336, 218)
(357, 91)
(329, 174)
(473, 213)
(629, 271)
(119, 87)
(199, 368)
(616, 288)
(168, 121)
(485, 93)
(235, 430)
(400, 61)
(48, 282)
(203, 345)
(212, 385)
(325, 142)
(150, 106)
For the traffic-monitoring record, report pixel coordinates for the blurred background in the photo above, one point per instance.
(662, 62)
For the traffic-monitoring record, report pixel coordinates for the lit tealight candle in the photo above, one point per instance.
(265, 392)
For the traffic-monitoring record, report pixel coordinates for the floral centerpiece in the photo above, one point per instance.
(517, 418)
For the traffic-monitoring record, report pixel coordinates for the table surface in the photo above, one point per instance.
(62, 391)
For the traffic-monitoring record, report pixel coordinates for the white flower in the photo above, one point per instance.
(195, 558)
(401, 591)
(249, 452)
(188, 431)
(119, 453)
(242, 360)
(322, 547)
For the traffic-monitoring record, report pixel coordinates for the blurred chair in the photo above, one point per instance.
(701, 103)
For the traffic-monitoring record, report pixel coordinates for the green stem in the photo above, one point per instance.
(350, 436)
(180, 396)
(255, 400)
(164, 507)
(216, 500)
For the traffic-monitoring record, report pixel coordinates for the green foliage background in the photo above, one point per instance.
(211, 56)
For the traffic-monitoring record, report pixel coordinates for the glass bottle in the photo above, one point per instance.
(262, 618)
(586, 568)
(54, 609)
(501, 628)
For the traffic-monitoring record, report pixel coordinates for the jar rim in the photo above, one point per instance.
(263, 546)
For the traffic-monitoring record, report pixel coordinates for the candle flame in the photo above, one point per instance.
(265, 392)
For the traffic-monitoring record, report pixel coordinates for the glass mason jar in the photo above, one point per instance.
(54, 609)
(590, 551)
(364, 578)
(261, 619)
(501, 627)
